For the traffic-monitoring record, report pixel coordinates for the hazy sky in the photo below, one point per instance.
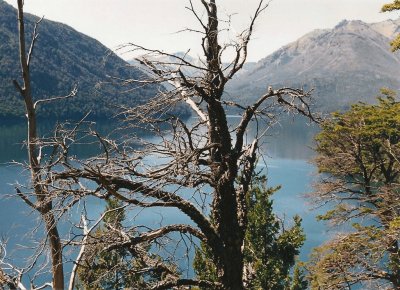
(153, 23)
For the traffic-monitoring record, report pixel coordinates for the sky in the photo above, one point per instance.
(156, 23)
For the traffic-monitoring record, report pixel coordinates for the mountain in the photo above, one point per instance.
(62, 59)
(346, 64)
(175, 63)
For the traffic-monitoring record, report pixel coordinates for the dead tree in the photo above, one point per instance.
(39, 197)
(207, 159)
(43, 204)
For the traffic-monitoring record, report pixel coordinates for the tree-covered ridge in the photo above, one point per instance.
(62, 59)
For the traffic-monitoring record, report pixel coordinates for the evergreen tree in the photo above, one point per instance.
(299, 281)
(270, 251)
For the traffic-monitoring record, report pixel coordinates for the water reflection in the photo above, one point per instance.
(13, 136)
(288, 139)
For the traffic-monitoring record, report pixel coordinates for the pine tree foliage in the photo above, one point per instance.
(270, 250)
(299, 281)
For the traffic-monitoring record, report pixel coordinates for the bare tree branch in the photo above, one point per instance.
(70, 95)
(34, 37)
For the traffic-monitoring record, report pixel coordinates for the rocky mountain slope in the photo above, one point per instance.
(63, 58)
(348, 63)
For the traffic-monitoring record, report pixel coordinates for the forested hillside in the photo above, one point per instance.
(62, 59)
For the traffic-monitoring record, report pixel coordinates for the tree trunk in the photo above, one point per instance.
(44, 207)
(233, 240)
(55, 247)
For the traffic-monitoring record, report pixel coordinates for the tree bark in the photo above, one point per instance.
(225, 205)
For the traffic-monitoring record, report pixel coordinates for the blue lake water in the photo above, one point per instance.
(287, 159)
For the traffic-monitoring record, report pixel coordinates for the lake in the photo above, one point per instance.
(287, 155)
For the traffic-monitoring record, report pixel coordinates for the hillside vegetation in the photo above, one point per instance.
(62, 59)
